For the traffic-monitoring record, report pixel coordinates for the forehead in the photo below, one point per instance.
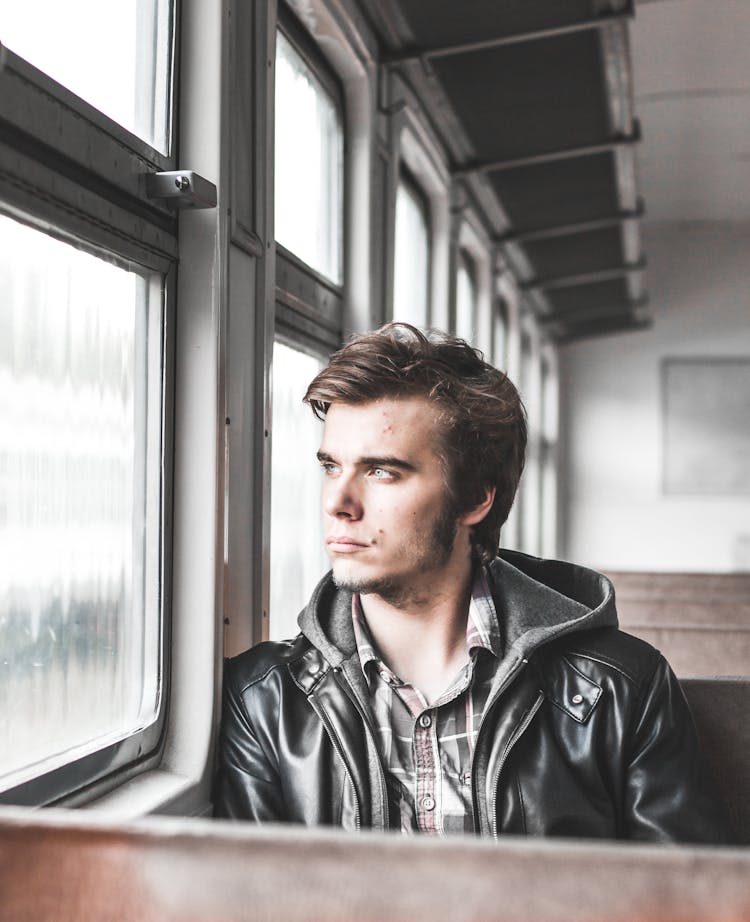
(409, 423)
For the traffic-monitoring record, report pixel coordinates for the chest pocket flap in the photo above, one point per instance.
(574, 693)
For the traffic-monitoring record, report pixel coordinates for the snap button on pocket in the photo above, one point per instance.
(577, 699)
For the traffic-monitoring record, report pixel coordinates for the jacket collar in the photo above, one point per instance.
(536, 601)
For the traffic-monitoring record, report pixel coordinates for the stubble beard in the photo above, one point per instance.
(436, 549)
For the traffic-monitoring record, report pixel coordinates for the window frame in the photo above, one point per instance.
(70, 171)
(309, 308)
(308, 305)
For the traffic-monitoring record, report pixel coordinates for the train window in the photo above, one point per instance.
(87, 269)
(309, 216)
(115, 55)
(548, 460)
(309, 159)
(530, 487)
(411, 271)
(500, 334)
(80, 454)
(466, 298)
(296, 565)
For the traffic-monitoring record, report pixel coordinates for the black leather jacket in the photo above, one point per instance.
(586, 732)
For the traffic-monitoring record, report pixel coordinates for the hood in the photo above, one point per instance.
(536, 600)
(539, 600)
(326, 621)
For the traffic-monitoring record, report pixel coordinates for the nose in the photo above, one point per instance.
(341, 497)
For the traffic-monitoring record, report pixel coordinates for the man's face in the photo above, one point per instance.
(387, 523)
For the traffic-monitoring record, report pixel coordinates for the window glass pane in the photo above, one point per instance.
(500, 336)
(411, 258)
(529, 496)
(115, 54)
(466, 298)
(309, 165)
(548, 459)
(80, 399)
(298, 558)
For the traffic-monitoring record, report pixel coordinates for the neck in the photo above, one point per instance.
(423, 638)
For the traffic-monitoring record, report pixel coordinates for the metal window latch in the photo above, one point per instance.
(181, 189)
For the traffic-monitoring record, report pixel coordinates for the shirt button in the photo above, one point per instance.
(428, 802)
(425, 721)
(466, 778)
(577, 699)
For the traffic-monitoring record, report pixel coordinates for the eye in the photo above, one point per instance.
(380, 473)
(329, 468)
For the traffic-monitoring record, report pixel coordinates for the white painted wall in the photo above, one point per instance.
(615, 513)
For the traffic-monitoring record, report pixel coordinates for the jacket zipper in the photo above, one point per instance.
(518, 733)
(363, 713)
(336, 743)
(488, 707)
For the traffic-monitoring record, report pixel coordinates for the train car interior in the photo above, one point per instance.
(200, 201)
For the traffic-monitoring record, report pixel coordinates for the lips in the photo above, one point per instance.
(343, 544)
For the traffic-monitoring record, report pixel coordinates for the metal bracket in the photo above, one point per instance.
(181, 189)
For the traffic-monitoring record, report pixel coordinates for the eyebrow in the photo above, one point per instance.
(374, 461)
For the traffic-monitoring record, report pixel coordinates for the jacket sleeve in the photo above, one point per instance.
(247, 784)
(669, 796)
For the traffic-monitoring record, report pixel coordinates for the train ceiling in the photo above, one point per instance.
(533, 102)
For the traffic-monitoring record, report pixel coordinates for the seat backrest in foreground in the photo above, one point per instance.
(58, 867)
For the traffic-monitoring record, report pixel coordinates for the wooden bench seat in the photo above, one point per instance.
(700, 621)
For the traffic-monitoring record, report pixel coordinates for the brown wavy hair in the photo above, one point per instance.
(482, 428)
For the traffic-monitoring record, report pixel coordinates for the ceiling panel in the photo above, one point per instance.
(562, 192)
(576, 253)
(596, 296)
(443, 22)
(510, 108)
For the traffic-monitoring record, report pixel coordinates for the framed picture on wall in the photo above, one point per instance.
(706, 425)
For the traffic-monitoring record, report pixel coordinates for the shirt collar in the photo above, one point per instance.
(482, 626)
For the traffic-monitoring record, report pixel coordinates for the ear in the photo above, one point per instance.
(475, 515)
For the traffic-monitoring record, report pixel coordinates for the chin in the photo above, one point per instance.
(347, 575)
(351, 577)
(355, 580)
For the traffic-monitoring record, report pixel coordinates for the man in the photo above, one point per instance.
(437, 685)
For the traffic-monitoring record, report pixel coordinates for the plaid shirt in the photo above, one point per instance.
(427, 750)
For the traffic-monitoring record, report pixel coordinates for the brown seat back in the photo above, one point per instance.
(721, 710)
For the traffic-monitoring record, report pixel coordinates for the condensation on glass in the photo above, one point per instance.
(80, 398)
(117, 55)
(298, 558)
(466, 300)
(411, 263)
(309, 162)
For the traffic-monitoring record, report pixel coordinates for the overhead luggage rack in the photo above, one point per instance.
(533, 102)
